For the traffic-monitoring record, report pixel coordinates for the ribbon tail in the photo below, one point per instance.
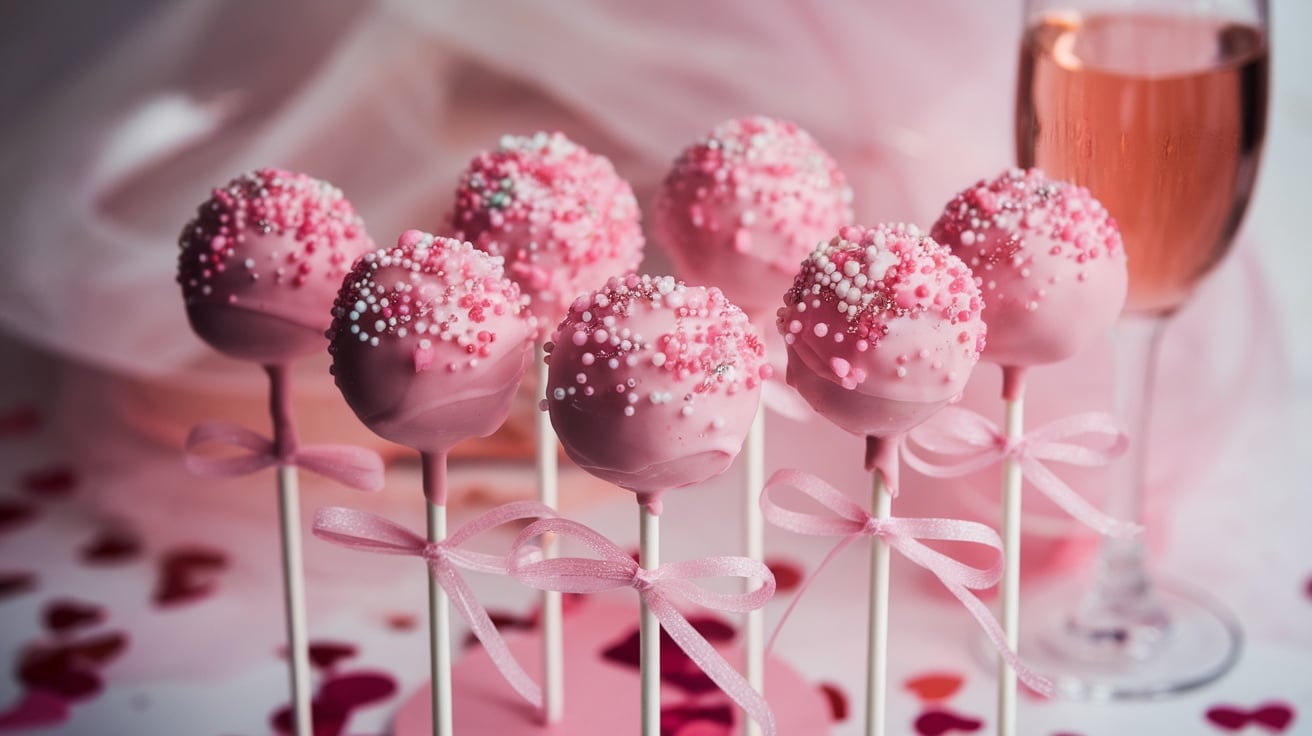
(1074, 504)
(1036, 682)
(704, 655)
(463, 600)
(353, 467)
(806, 585)
(260, 456)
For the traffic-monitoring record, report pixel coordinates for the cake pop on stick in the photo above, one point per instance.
(1049, 261)
(739, 210)
(882, 327)
(653, 386)
(429, 343)
(563, 220)
(259, 266)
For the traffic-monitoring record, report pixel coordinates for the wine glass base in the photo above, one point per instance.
(1200, 643)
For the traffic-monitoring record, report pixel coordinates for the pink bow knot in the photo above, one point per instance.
(369, 533)
(613, 568)
(978, 443)
(354, 467)
(847, 519)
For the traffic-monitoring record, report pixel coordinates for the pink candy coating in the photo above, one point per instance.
(429, 342)
(1048, 259)
(654, 384)
(743, 206)
(559, 215)
(882, 327)
(261, 262)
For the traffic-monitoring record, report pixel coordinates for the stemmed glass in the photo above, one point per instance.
(1159, 108)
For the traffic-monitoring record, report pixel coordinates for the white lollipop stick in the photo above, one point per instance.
(293, 576)
(649, 628)
(1009, 588)
(553, 653)
(754, 548)
(439, 611)
(877, 662)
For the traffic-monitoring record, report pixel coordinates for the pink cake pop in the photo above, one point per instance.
(429, 342)
(559, 215)
(653, 384)
(262, 260)
(882, 327)
(746, 204)
(1047, 257)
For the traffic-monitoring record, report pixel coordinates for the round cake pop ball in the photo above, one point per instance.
(262, 260)
(746, 204)
(559, 215)
(654, 384)
(882, 327)
(429, 342)
(1048, 259)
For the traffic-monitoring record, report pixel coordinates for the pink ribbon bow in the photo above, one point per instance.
(852, 522)
(354, 467)
(617, 569)
(370, 533)
(960, 432)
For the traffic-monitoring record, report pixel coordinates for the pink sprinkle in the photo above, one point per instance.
(840, 367)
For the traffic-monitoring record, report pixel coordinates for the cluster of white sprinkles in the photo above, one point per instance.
(429, 290)
(706, 345)
(854, 287)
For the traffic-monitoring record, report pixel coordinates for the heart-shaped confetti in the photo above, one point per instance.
(67, 615)
(37, 709)
(16, 583)
(1275, 717)
(934, 686)
(939, 722)
(111, 546)
(50, 483)
(188, 573)
(838, 708)
(787, 574)
(326, 654)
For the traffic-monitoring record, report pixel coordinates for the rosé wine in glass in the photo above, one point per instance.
(1162, 117)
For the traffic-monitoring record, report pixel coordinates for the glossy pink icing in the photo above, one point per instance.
(429, 342)
(1048, 259)
(745, 205)
(654, 384)
(561, 216)
(262, 260)
(882, 327)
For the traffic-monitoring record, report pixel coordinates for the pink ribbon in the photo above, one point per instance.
(852, 522)
(617, 569)
(354, 467)
(370, 533)
(981, 443)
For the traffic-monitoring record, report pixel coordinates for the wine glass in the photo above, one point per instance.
(1159, 108)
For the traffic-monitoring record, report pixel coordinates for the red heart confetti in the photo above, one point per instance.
(18, 421)
(938, 722)
(402, 621)
(699, 720)
(62, 616)
(838, 708)
(13, 514)
(188, 573)
(16, 583)
(332, 706)
(1274, 716)
(787, 574)
(50, 483)
(37, 709)
(935, 686)
(676, 667)
(326, 654)
(112, 546)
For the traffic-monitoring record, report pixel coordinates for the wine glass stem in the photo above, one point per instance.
(1120, 609)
